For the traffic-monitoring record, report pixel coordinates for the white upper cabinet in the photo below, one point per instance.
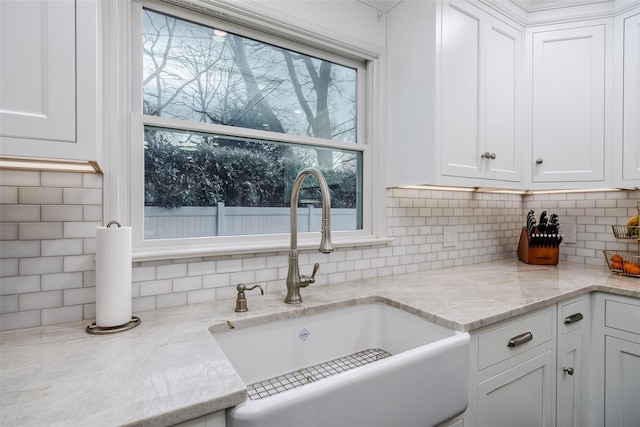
(454, 96)
(38, 70)
(48, 79)
(481, 81)
(630, 138)
(570, 94)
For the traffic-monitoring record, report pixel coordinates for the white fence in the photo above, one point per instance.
(161, 223)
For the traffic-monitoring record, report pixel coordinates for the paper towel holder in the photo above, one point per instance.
(94, 329)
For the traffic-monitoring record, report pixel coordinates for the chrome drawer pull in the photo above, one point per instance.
(520, 339)
(573, 318)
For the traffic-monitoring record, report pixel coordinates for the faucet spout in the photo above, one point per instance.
(294, 280)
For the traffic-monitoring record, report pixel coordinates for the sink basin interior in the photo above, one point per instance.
(283, 346)
(414, 371)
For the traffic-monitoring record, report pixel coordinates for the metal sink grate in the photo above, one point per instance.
(303, 376)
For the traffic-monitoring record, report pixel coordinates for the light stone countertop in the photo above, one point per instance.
(169, 369)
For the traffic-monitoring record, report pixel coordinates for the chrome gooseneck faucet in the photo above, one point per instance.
(295, 281)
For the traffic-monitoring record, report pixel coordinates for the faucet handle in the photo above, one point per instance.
(307, 280)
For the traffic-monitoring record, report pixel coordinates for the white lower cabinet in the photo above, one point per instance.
(512, 377)
(530, 370)
(622, 382)
(574, 332)
(217, 419)
(520, 396)
(621, 361)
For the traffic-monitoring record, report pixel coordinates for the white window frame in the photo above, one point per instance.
(124, 123)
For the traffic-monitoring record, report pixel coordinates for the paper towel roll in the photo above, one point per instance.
(113, 276)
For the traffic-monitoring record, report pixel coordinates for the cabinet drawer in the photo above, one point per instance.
(573, 315)
(623, 316)
(493, 345)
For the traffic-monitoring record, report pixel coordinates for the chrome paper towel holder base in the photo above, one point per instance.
(103, 330)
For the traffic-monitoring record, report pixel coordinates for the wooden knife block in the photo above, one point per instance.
(535, 255)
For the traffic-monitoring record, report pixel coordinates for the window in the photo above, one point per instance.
(223, 119)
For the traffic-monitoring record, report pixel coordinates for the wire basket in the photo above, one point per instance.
(626, 231)
(623, 262)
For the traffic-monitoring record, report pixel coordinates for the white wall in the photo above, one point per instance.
(340, 19)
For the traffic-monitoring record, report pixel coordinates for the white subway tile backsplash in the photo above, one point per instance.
(39, 230)
(19, 214)
(91, 180)
(61, 179)
(61, 247)
(143, 274)
(8, 195)
(57, 284)
(51, 316)
(82, 196)
(74, 297)
(156, 287)
(266, 275)
(50, 282)
(19, 320)
(187, 284)
(89, 246)
(202, 295)
(61, 213)
(171, 300)
(171, 270)
(40, 300)
(8, 303)
(8, 267)
(19, 178)
(79, 263)
(215, 280)
(39, 196)
(143, 304)
(227, 266)
(41, 265)
(75, 230)
(244, 277)
(92, 213)
(20, 249)
(89, 278)
(231, 292)
(19, 284)
(89, 311)
(206, 267)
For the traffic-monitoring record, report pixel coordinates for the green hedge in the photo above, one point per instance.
(261, 175)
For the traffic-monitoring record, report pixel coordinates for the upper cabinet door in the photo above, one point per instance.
(50, 79)
(569, 104)
(481, 95)
(503, 101)
(461, 64)
(631, 100)
(37, 70)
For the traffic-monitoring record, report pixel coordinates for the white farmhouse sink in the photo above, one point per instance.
(423, 382)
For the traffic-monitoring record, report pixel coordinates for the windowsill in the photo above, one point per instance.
(163, 253)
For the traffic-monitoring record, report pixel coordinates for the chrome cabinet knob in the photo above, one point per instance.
(568, 370)
(488, 155)
(539, 161)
